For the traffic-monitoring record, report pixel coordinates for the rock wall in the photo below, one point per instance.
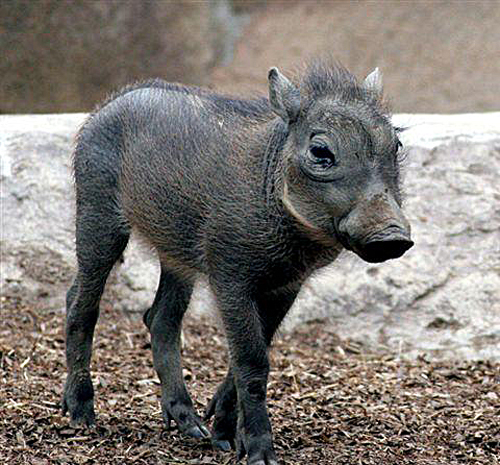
(442, 298)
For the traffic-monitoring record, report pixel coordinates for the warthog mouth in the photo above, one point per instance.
(392, 242)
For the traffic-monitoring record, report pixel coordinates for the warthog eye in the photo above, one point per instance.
(399, 153)
(323, 155)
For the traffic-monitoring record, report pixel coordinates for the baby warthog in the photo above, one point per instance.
(255, 194)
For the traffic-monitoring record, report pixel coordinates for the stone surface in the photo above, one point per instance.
(37, 216)
(442, 298)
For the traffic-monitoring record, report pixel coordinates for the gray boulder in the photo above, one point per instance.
(442, 298)
(37, 198)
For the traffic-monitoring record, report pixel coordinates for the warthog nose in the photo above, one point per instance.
(390, 243)
(380, 251)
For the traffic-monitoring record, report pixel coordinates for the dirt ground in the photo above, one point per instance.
(331, 402)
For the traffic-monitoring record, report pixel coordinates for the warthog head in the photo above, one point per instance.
(341, 162)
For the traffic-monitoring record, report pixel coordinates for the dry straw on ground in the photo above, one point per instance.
(330, 402)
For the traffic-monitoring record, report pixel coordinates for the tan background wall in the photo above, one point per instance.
(436, 56)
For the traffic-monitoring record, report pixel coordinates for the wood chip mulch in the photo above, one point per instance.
(331, 401)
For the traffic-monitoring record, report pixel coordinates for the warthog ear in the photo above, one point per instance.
(284, 96)
(373, 81)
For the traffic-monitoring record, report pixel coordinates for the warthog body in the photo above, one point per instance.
(255, 194)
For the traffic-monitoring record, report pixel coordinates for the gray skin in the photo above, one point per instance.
(255, 194)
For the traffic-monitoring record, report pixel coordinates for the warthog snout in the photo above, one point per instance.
(376, 230)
